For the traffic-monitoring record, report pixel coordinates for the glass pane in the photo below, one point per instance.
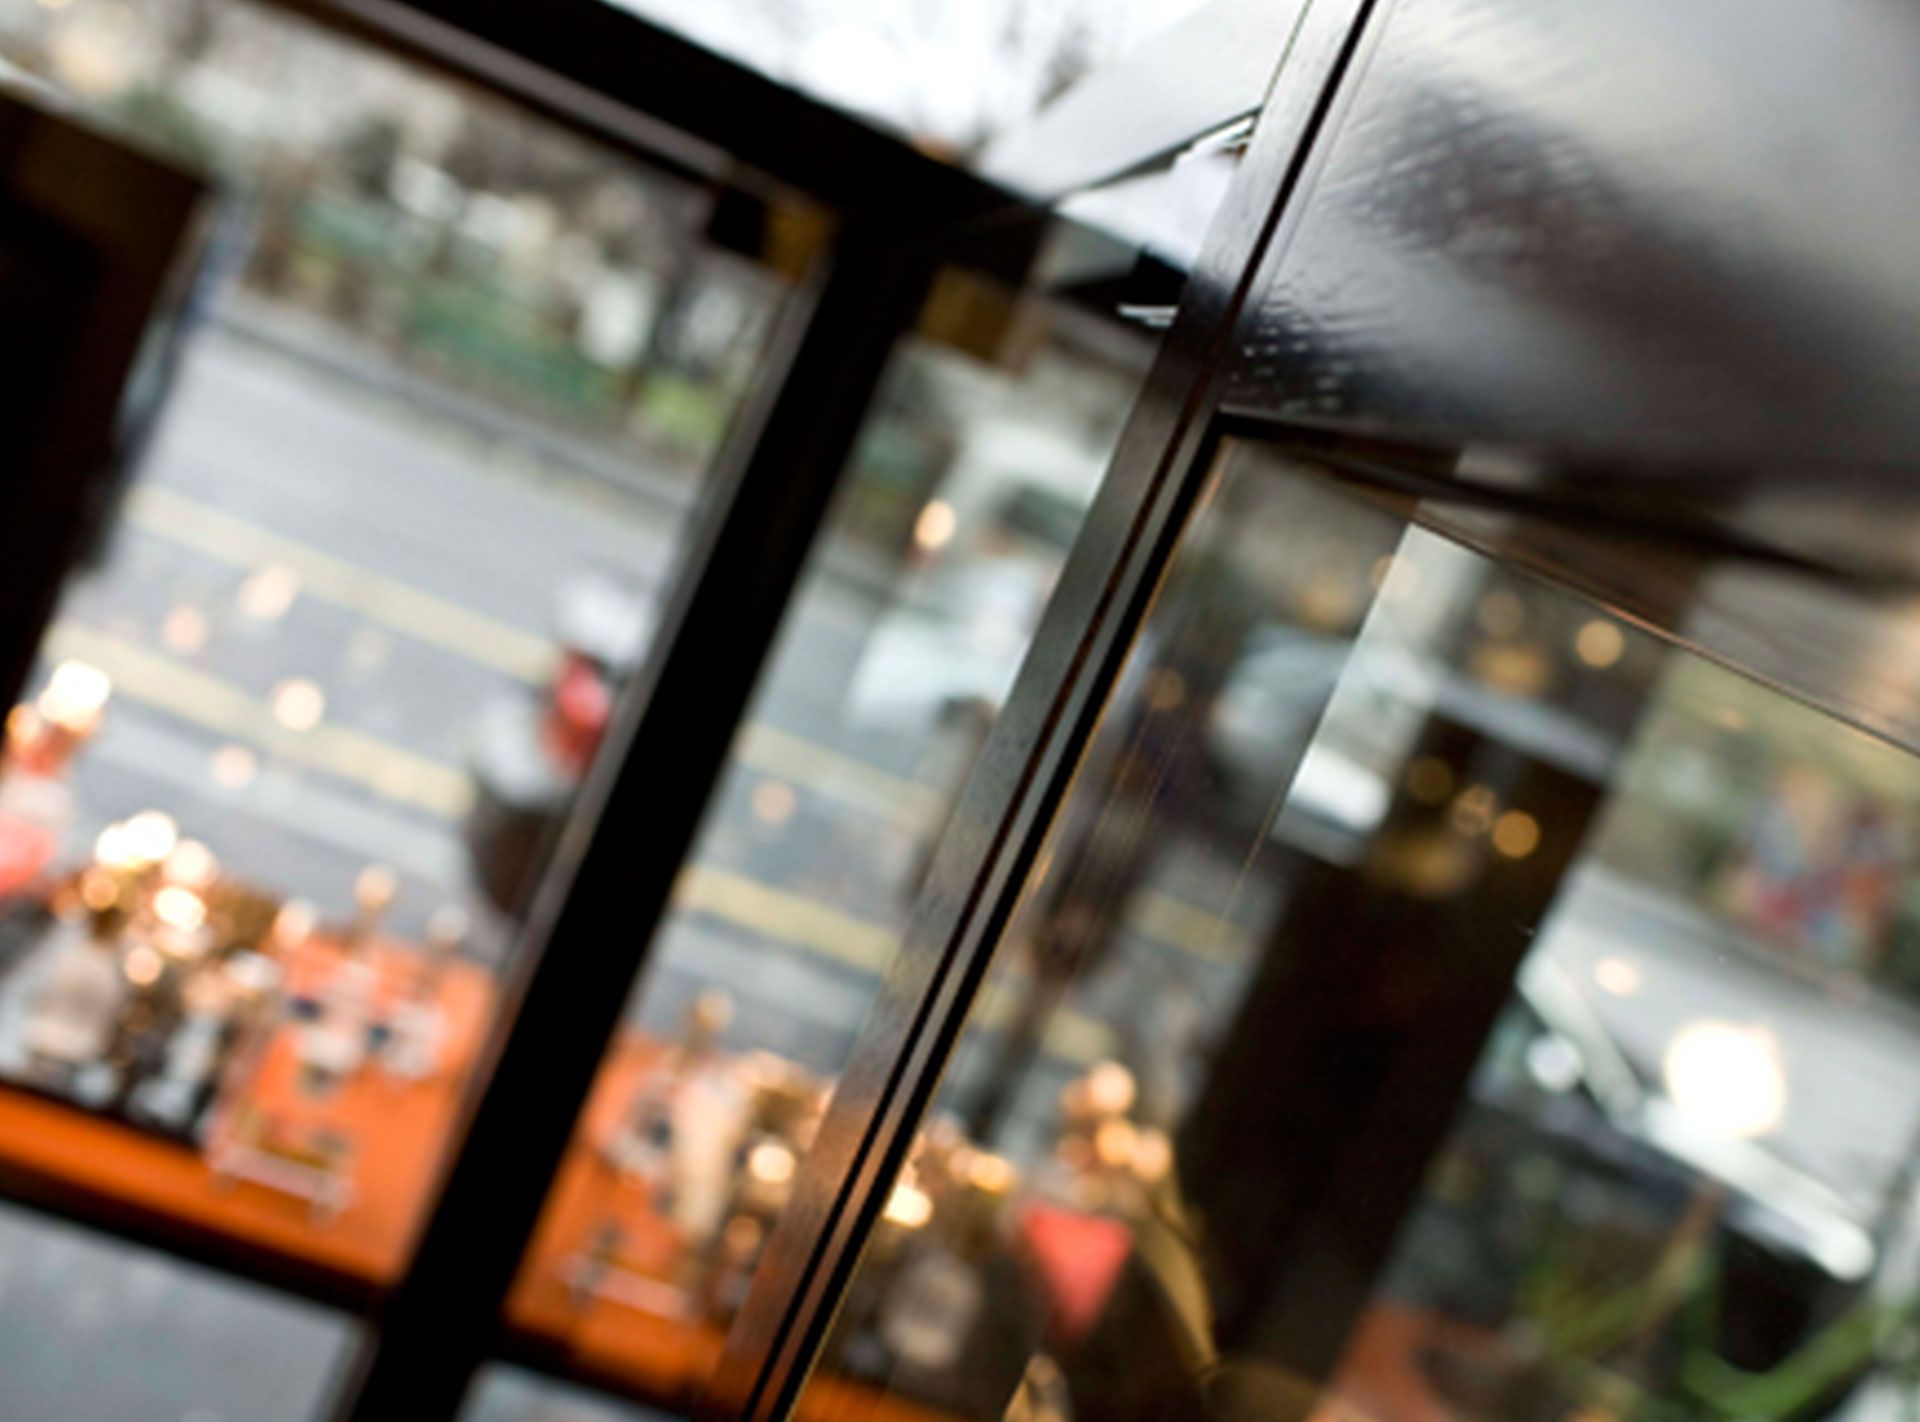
(505, 1394)
(949, 76)
(385, 531)
(1439, 1000)
(91, 1328)
(991, 431)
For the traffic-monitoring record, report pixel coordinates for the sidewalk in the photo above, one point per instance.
(312, 342)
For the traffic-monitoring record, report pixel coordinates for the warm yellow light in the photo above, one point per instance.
(151, 836)
(1599, 643)
(1153, 1156)
(266, 595)
(1617, 976)
(992, 1173)
(23, 726)
(1728, 1078)
(298, 704)
(99, 889)
(1516, 834)
(192, 864)
(933, 530)
(113, 850)
(742, 1235)
(143, 966)
(770, 1163)
(1110, 1088)
(909, 1206)
(180, 908)
(294, 924)
(74, 697)
(1115, 1142)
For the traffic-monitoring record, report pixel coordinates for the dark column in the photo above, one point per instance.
(608, 890)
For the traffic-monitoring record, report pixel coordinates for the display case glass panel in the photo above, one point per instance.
(391, 508)
(1438, 999)
(966, 489)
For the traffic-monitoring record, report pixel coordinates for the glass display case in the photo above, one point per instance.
(707, 767)
(347, 623)
(966, 491)
(298, 751)
(1437, 998)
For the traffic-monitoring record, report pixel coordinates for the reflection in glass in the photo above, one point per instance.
(383, 539)
(968, 486)
(1437, 1000)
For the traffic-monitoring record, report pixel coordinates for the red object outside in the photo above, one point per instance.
(25, 851)
(1079, 1257)
(577, 713)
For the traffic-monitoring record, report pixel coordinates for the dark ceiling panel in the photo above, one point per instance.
(1685, 237)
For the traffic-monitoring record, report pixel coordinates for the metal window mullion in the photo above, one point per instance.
(989, 849)
(608, 889)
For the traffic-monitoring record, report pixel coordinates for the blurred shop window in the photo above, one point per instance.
(1439, 1000)
(349, 636)
(989, 437)
(344, 639)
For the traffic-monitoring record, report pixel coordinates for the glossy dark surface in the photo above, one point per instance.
(1676, 234)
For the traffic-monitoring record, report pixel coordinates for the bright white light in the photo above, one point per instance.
(113, 849)
(1728, 1079)
(192, 864)
(298, 704)
(180, 908)
(75, 695)
(909, 1206)
(150, 836)
(771, 1162)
